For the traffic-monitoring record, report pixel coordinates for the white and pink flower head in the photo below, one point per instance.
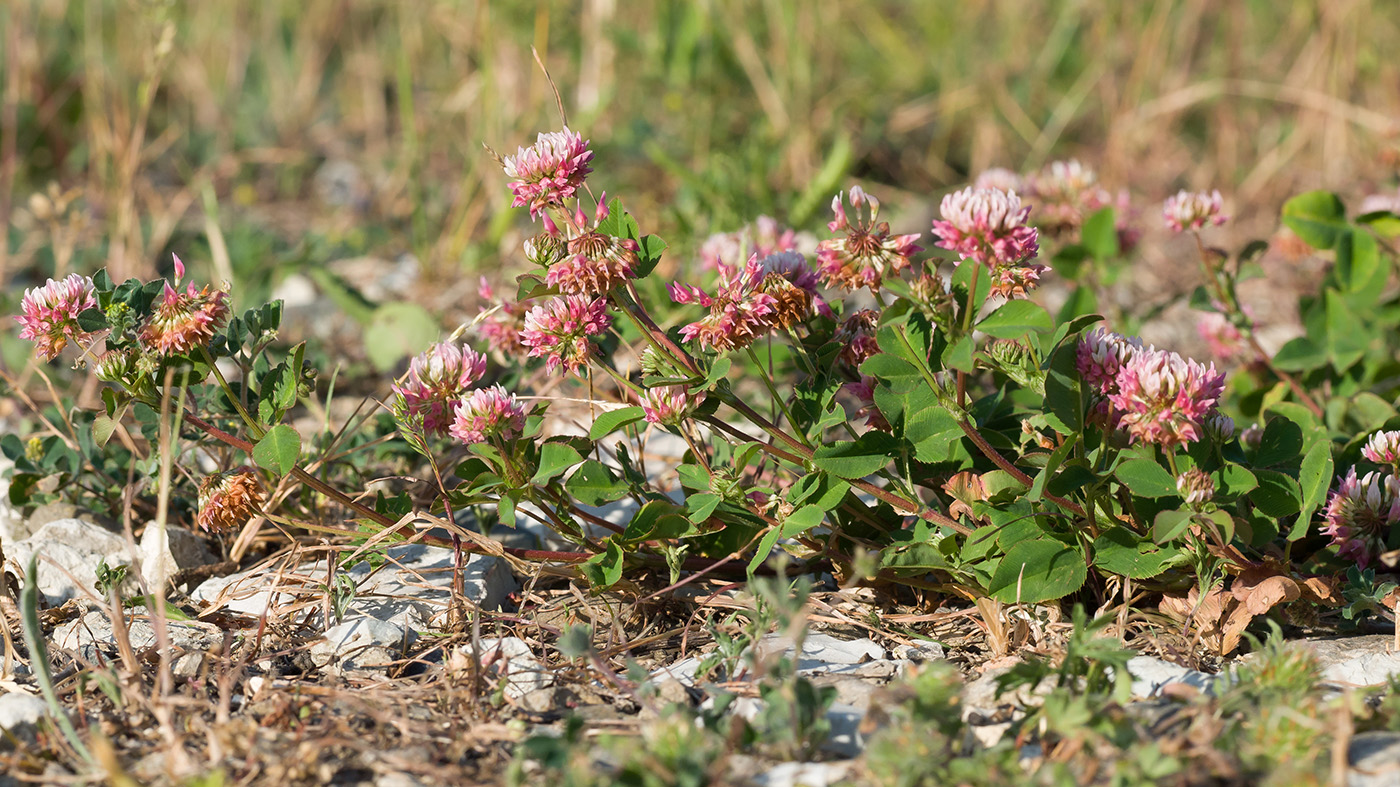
(1361, 514)
(1193, 210)
(740, 310)
(49, 314)
(1383, 448)
(867, 251)
(436, 379)
(560, 330)
(549, 171)
(1099, 356)
(1163, 398)
(487, 414)
(670, 404)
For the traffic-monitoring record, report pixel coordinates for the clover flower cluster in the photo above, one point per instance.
(588, 262)
(668, 405)
(1195, 486)
(437, 395)
(867, 251)
(1157, 396)
(185, 320)
(856, 335)
(1383, 448)
(764, 237)
(1361, 513)
(773, 293)
(986, 225)
(1193, 211)
(1066, 193)
(499, 321)
(49, 314)
(549, 171)
(561, 330)
(1223, 339)
(436, 379)
(488, 413)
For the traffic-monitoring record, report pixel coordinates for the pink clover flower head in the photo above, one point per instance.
(1163, 398)
(1383, 448)
(1223, 340)
(1065, 192)
(867, 250)
(764, 237)
(49, 314)
(436, 379)
(593, 262)
(1195, 486)
(670, 404)
(999, 178)
(1193, 211)
(1015, 281)
(487, 413)
(987, 225)
(1101, 354)
(740, 310)
(560, 329)
(499, 323)
(1361, 513)
(549, 171)
(185, 320)
(856, 335)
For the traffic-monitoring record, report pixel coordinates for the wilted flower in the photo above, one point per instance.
(1163, 397)
(793, 284)
(559, 330)
(987, 225)
(488, 413)
(185, 320)
(867, 251)
(740, 311)
(593, 262)
(1383, 448)
(49, 314)
(549, 171)
(1360, 515)
(1195, 486)
(436, 380)
(1193, 211)
(856, 335)
(1066, 192)
(670, 404)
(764, 237)
(228, 500)
(1100, 354)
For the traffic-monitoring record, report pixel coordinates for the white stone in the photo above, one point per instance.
(804, 774)
(507, 659)
(93, 632)
(411, 589)
(822, 653)
(1355, 661)
(69, 551)
(1151, 675)
(362, 643)
(19, 717)
(1374, 758)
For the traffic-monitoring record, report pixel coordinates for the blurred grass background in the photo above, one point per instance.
(266, 136)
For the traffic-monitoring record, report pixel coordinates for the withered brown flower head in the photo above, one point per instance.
(228, 500)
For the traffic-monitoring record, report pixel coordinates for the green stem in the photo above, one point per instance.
(254, 428)
(773, 391)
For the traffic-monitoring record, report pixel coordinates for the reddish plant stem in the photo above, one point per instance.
(993, 454)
